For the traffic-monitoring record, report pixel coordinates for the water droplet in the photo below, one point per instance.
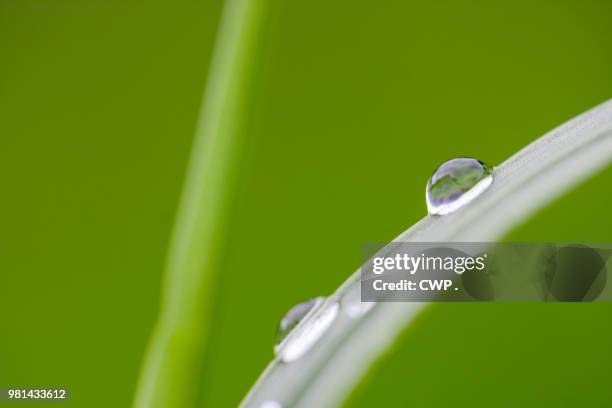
(455, 183)
(305, 333)
(271, 404)
(359, 308)
(293, 317)
(353, 306)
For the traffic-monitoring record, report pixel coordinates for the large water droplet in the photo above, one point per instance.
(455, 183)
(301, 336)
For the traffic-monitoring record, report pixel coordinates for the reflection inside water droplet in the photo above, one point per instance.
(455, 183)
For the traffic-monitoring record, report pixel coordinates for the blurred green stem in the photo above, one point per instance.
(170, 375)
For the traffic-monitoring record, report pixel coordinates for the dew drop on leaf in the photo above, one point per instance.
(293, 317)
(455, 183)
(353, 306)
(271, 404)
(295, 339)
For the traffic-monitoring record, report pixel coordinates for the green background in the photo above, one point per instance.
(355, 105)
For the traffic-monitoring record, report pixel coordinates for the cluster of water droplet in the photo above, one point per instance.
(453, 184)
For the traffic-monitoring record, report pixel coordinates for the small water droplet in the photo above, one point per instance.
(353, 306)
(271, 404)
(301, 337)
(359, 308)
(455, 183)
(293, 317)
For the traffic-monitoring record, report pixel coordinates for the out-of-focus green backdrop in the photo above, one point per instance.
(355, 104)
